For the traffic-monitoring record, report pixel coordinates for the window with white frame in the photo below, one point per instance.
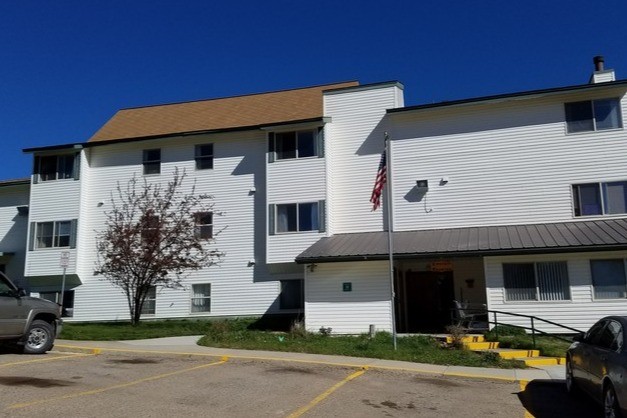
(203, 154)
(542, 281)
(609, 198)
(297, 217)
(150, 303)
(152, 161)
(204, 225)
(292, 294)
(593, 115)
(296, 144)
(201, 297)
(56, 167)
(53, 234)
(608, 278)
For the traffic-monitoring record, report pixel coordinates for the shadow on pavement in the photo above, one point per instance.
(548, 398)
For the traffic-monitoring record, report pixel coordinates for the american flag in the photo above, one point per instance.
(380, 181)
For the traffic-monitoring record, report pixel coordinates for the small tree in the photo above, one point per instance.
(151, 238)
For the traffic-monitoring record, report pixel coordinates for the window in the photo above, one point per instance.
(292, 295)
(68, 301)
(204, 225)
(595, 115)
(201, 297)
(297, 217)
(608, 278)
(149, 307)
(544, 281)
(53, 234)
(296, 144)
(600, 198)
(150, 229)
(204, 156)
(152, 161)
(56, 167)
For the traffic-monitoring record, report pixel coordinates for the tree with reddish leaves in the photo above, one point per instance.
(155, 235)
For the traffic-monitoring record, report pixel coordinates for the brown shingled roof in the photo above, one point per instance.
(217, 114)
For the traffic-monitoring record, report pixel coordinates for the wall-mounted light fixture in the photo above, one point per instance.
(311, 267)
(422, 186)
(100, 203)
(443, 181)
(251, 263)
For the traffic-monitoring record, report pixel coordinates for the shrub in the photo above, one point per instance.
(504, 330)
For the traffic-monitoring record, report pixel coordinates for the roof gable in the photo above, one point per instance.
(217, 114)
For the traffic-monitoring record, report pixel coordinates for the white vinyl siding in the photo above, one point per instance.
(237, 288)
(510, 163)
(580, 311)
(354, 142)
(288, 182)
(328, 306)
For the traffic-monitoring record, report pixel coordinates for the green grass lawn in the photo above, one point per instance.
(241, 333)
(510, 337)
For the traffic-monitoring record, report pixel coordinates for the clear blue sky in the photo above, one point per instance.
(66, 66)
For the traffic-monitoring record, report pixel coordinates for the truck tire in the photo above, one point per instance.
(40, 337)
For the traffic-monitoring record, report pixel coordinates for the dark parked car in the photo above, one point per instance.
(31, 323)
(596, 363)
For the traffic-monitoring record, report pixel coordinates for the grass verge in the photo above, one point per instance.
(243, 334)
(511, 337)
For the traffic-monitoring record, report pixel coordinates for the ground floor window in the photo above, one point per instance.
(150, 302)
(201, 297)
(543, 281)
(68, 301)
(292, 294)
(608, 278)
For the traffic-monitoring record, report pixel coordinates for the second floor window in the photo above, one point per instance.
(56, 167)
(204, 156)
(54, 234)
(204, 225)
(593, 115)
(296, 144)
(152, 161)
(600, 198)
(297, 217)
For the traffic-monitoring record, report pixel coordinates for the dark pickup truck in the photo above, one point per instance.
(31, 323)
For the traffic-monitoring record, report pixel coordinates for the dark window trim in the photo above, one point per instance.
(201, 159)
(153, 163)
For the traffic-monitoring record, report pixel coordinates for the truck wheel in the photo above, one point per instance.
(40, 337)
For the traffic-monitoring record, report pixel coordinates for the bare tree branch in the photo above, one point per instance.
(150, 238)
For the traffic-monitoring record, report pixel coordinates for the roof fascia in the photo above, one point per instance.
(525, 95)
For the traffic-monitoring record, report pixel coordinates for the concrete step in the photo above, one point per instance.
(484, 345)
(543, 361)
(513, 353)
(472, 338)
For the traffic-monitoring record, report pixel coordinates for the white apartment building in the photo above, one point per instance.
(516, 201)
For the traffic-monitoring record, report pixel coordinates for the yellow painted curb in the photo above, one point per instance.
(485, 345)
(93, 350)
(517, 353)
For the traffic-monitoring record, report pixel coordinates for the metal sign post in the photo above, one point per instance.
(64, 262)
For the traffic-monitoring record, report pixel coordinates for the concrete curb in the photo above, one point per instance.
(188, 346)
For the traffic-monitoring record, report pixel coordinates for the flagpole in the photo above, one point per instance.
(388, 194)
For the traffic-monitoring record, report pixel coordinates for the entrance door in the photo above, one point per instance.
(429, 298)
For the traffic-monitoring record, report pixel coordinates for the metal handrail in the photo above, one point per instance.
(533, 329)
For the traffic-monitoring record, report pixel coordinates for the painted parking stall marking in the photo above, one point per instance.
(119, 386)
(299, 412)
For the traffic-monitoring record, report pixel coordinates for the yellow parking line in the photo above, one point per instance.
(299, 412)
(523, 385)
(41, 360)
(122, 385)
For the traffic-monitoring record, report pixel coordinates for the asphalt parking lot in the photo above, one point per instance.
(122, 384)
